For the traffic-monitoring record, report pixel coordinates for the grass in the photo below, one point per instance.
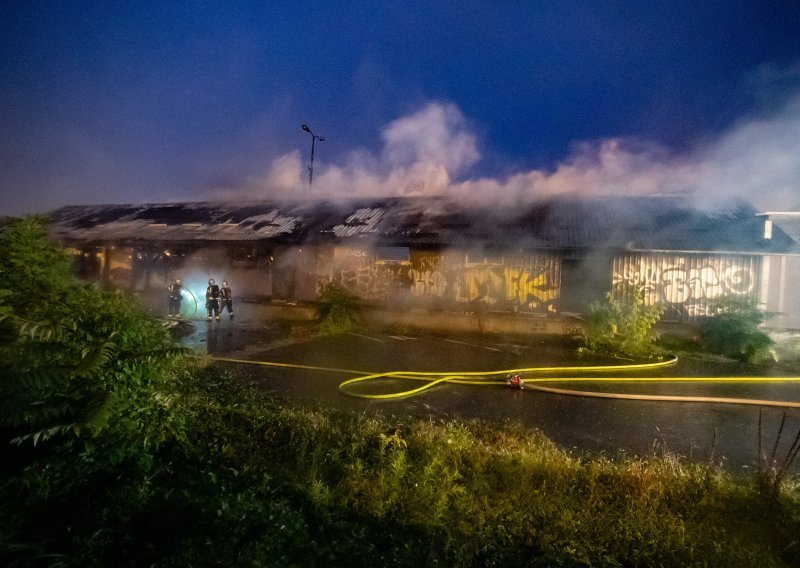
(482, 495)
(261, 482)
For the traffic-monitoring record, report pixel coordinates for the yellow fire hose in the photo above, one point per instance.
(431, 379)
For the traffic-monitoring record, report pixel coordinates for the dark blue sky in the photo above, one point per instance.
(149, 101)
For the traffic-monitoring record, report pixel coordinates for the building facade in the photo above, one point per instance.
(546, 258)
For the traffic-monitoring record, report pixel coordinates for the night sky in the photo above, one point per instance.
(130, 102)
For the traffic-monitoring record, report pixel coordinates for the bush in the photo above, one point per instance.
(76, 361)
(621, 327)
(88, 398)
(734, 330)
(338, 310)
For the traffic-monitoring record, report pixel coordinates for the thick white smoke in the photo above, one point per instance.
(428, 152)
(758, 160)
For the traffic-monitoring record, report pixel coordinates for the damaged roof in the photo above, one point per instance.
(630, 223)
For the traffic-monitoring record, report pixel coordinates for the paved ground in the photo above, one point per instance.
(725, 433)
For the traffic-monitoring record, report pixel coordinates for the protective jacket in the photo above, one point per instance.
(212, 292)
(175, 291)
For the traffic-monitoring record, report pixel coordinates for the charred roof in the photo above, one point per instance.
(640, 223)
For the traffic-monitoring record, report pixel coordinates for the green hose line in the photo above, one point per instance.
(194, 313)
(533, 380)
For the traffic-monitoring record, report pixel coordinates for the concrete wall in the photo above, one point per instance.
(426, 319)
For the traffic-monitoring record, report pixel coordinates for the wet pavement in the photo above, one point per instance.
(723, 433)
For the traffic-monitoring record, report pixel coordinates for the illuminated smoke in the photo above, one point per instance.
(436, 135)
(429, 151)
(758, 160)
(283, 177)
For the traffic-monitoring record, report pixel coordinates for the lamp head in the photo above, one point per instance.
(306, 128)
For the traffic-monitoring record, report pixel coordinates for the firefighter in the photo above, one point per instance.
(212, 299)
(226, 299)
(175, 297)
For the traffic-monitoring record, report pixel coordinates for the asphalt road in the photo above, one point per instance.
(724, 433)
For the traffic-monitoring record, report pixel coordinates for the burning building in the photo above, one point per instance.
(546, 257)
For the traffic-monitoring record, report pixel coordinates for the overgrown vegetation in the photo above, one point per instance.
(76, 361)
(734, 330)
(189, 467)
(621, 326)
(338, 310)
(269, 484)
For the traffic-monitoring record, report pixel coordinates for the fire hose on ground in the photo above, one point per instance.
(531, 379)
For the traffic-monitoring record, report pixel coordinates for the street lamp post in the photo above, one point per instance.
(314, 138)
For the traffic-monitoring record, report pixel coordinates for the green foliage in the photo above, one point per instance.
(734, 330)
(466, 494)
(76, 361)
(338, 310)
(266, 483)
(621, 327)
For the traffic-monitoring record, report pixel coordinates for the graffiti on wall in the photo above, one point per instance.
(532, 285)
(427, 276)
(524, 287)
(687, 286)
(360, 274)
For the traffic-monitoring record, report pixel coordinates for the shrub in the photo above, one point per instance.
(88, 399)
(734, 332)
(76, 361)
(338, 310)
(621, 327)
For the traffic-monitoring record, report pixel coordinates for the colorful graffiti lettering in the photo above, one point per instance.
(528, 287)
(480, 284)
(517, 286)
(685, 287)
(443, 278)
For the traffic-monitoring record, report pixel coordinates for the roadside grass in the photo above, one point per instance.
(474, 494)
(262, 482)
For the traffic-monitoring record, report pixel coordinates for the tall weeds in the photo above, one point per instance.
(507, 494)
(773, 470)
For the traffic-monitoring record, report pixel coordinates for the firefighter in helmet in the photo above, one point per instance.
(175, 296)
(226, 299)
(212, 299)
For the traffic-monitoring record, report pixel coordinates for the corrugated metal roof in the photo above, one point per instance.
(642, 223)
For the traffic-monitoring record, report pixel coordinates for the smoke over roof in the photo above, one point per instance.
(433, 150)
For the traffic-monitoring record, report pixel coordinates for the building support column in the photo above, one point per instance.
(106, 276)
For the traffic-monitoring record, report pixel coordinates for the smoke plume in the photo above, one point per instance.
(429, 152)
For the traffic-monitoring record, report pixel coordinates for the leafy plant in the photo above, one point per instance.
(338, 311)
(76, 361)
(734, 330)
(621, 326)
